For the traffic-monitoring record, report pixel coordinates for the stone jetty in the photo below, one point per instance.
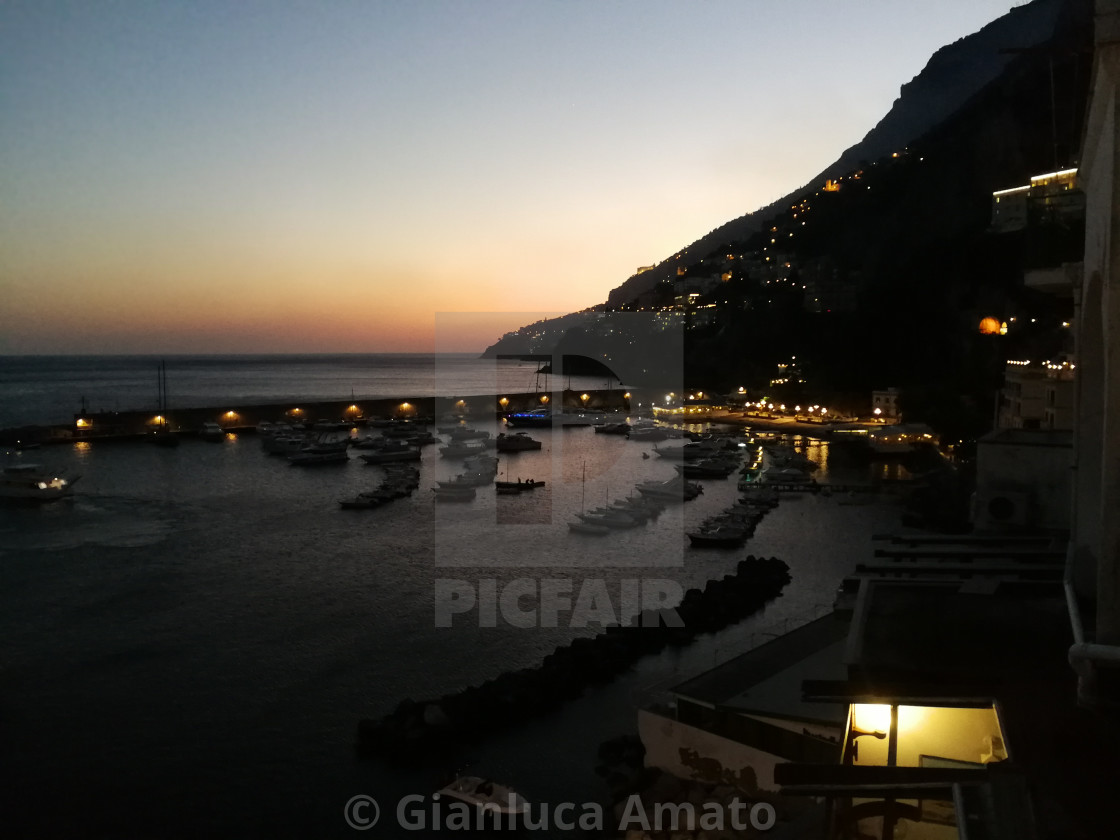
(239, 417)
(417, 731)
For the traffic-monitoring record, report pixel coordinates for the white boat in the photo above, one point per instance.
(488, 797)
(673, 490)
(32, 484)
(212, 432)
(391, 451)
(321, 451)
(462, 450)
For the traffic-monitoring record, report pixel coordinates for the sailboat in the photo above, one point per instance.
(581, 526)
(162, 435)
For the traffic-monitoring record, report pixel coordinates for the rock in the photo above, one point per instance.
(418, 728)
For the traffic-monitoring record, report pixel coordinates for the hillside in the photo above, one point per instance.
(882, 279)
(954, 74)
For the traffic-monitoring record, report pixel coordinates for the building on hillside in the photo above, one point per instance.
(1036, 396)
(1051, 197)
(884, 404)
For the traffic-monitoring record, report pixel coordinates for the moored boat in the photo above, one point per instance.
(609, 518)
(462, 450)
(322, 451)
(537, 418)
(707, 468)
(212, 432)
(519, 485)
(673, 490)
(516, 442)
(389, 452)
(719, 536)
(450, 493)
(785, 475)
(462, 434)
(33, 484)
(494, 806)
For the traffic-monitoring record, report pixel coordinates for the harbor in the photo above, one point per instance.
(297, 609)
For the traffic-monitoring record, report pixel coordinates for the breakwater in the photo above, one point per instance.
(103, 425)
(417, 731)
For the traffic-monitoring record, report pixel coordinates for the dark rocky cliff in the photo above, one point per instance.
(953, 75)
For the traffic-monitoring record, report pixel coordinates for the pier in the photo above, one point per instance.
(421, 731)
(138, 423)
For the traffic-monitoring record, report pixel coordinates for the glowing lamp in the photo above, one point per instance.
(871, 717)
(989, 326)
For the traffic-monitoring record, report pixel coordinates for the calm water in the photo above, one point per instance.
(190, 641)
(50, 389)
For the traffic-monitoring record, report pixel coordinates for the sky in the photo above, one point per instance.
(329, 176)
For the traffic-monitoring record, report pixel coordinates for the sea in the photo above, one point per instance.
(51, 389)
(191, 640)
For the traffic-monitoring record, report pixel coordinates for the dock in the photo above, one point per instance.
(237, 417)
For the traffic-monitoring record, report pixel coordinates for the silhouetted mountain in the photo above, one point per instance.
(953, 75)
(881, 279)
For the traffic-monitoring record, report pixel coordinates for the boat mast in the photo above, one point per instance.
(583, 490)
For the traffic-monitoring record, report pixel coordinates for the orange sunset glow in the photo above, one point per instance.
(240, 177)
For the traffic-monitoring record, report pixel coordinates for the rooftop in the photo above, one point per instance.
(767, 679)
